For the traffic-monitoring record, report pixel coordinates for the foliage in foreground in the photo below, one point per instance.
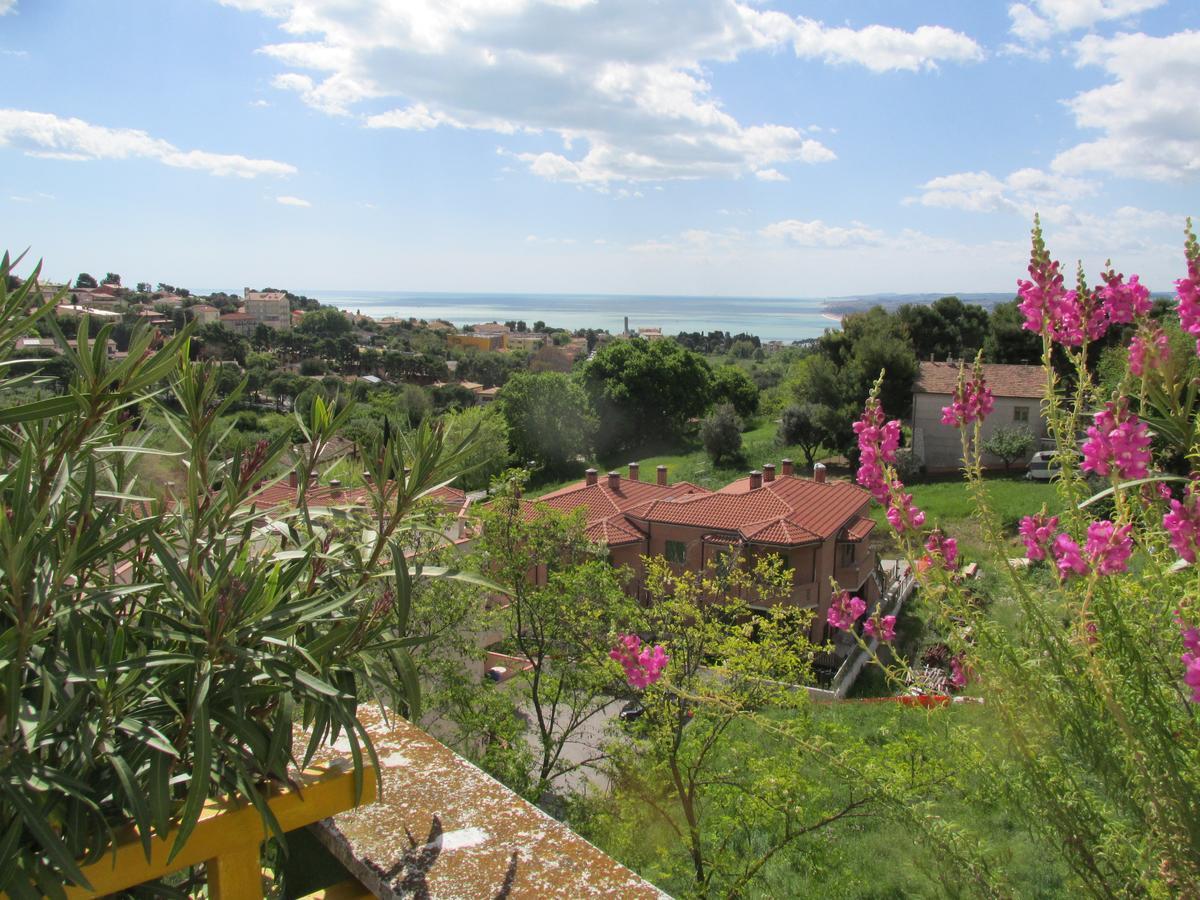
(1094, 688)
(155, 654)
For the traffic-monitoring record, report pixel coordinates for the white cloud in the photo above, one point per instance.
(1147, 114)
(770, 175)
(288, 200)
(52, 137)
(1035, 25)
(7, 6)
(816, 233)
(259, 104)
(622, 84)
(1023, 191)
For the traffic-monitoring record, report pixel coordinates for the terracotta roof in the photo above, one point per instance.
(859, 528)
(607, 511)
(236, 317)
(788, 511)
(282, 494)
(1004, 380)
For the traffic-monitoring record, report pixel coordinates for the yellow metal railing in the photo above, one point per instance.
(228, 839)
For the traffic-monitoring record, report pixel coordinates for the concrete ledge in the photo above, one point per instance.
(444, 829)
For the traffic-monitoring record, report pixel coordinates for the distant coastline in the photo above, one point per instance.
(769, 318)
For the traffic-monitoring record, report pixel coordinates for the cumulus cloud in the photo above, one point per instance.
(1039, 20)
(1147, 114)
(1023, 191)
(621, 84)
(816, 233)
(7, 6)
(52, 137)
(288, 200)
(770, 175)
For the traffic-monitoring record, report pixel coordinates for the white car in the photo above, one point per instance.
(1043, 466)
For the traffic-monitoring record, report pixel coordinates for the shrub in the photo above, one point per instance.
(156, 655)
(721, 434)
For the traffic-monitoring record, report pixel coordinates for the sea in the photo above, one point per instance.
(771, 319)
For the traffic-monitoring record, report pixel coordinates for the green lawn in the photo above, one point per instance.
(690, 463)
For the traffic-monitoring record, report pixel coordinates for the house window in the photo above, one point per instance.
(1020, 413)
(676, 552)
(845, 556)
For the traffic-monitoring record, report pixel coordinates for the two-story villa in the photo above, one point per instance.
(818, 528)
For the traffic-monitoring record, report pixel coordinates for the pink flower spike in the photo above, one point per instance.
(1038, 533)
(885, 631)
(845, 610)
(1117, 441)
(1183, 525)
(642, 666)
(1109, 547)
(1148, 351)
(1067, 557)
(943, 548)
(958, 676)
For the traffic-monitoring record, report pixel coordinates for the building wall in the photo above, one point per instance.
(940, 445)
(271, 309)
(478, 341)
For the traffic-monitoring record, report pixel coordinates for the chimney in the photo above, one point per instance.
(819, 473)
(662, 475)
(614, 481)
(768, 472)
(590, 476)
(335, 488)
(314, 478)
(788, 468)
(755, 479)
(293, 479)
(633, 471)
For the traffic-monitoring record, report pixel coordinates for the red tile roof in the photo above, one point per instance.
(1004, 380)
(283, 495)
(788, 511)
(859, 528)
(607, 510)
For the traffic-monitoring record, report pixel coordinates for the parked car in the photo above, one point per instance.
(631, 711)
(1045, 466)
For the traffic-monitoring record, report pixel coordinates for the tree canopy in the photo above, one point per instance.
(549, 418)
(645, 390)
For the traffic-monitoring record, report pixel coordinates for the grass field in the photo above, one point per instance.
(691, 463)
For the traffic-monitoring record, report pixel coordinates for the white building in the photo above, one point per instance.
(1018, 391)
(270, 308)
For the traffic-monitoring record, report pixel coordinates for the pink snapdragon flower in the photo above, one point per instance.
(1183, 525)
(1148, 351)
(1124, 302)
(1188, 289)
(884, 631)
(1038, 533)
(903, 514)
(845, 610)
(943, 548)
(643, 665)
(1119, 442)
(1042, 297)
(878, 441)
(972, 402)
(1109, 547)
(1190, 659)
(1067, 557)
(958, 675)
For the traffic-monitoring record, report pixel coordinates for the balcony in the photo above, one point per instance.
(439, 828)
(851, 577)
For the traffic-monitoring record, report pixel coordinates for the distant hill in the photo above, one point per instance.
(840, 306)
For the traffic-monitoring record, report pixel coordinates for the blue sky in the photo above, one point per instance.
(595, 146)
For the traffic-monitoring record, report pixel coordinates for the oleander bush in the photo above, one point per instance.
(159, 647)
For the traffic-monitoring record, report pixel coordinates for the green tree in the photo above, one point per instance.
(562, 621)
(730, 384)
(721, 764)
(85, 281)
(1007, 340)
(644, 391)
(1009, 444)
(549, 418)
(488, 457)
(803, 425)
(325, 323)
(112, 278)
(721, 434)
